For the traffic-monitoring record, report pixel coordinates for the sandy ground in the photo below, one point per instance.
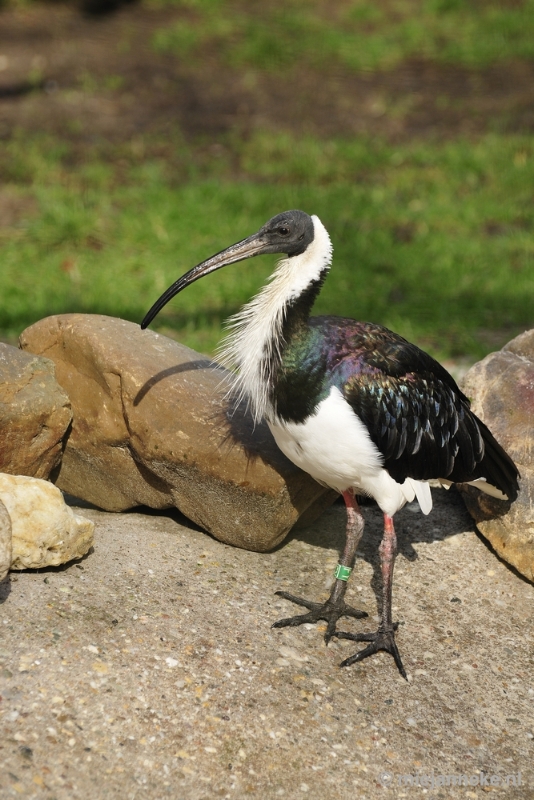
(150, 669)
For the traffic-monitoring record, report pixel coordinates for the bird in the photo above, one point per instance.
(353, 404)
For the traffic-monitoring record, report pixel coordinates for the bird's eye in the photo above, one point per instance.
(283, 231)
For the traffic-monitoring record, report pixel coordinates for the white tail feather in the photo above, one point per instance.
(421, 490)
(487, 488)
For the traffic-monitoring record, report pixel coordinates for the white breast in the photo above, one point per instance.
(334, 447)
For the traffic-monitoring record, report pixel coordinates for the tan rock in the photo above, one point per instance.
(45, 531)
(6, 548)
(501, 388)
(34, 414)
(151, 427)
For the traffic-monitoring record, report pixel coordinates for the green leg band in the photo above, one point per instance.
(342, 573)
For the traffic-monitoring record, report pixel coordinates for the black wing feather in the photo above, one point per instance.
(415, 412)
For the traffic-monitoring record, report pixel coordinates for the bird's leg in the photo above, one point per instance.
(335, 607)
(384, 637)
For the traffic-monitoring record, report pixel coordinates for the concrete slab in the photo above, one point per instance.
(150, 670)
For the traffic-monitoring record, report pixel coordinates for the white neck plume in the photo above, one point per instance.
(255, 332)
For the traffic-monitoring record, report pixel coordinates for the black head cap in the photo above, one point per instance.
(289, 232)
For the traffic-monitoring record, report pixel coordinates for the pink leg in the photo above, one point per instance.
(335, 607)
(353, 535)
(388, 553)
(384, 638)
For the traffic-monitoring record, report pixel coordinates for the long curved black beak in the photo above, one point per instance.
(251, 246)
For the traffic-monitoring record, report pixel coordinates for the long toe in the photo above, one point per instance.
(361, 637)
(380, 640)
(292, 622)
(298, 600)
(329, 612)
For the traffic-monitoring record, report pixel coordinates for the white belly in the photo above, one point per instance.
(334, 447)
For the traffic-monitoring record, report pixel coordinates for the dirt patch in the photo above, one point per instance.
(84, 79)
(14, 208)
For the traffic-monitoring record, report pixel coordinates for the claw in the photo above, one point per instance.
(329, 611)
(380, 640)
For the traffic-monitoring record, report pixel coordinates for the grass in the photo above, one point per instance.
(358, 35)
(433, 240)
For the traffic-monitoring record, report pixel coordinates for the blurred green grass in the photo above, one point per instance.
(434, 240)
(357, 35)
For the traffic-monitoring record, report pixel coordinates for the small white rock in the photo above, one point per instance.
(6, 548)
(45, 531)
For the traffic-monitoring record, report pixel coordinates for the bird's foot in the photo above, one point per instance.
(382, 639)
(330, 612)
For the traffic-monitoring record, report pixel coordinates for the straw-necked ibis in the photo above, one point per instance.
(355, 405)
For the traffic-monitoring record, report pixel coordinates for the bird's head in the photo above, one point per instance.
(289, 233)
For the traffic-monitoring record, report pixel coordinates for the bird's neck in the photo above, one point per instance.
(265, 327)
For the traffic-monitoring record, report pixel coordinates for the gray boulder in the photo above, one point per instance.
(34, 414)
(501, 388)
(151, 427)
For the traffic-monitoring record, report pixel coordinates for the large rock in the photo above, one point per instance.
(34, 414)
(151, 427)
(501, 388)
(45, 531)
(6, 547)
